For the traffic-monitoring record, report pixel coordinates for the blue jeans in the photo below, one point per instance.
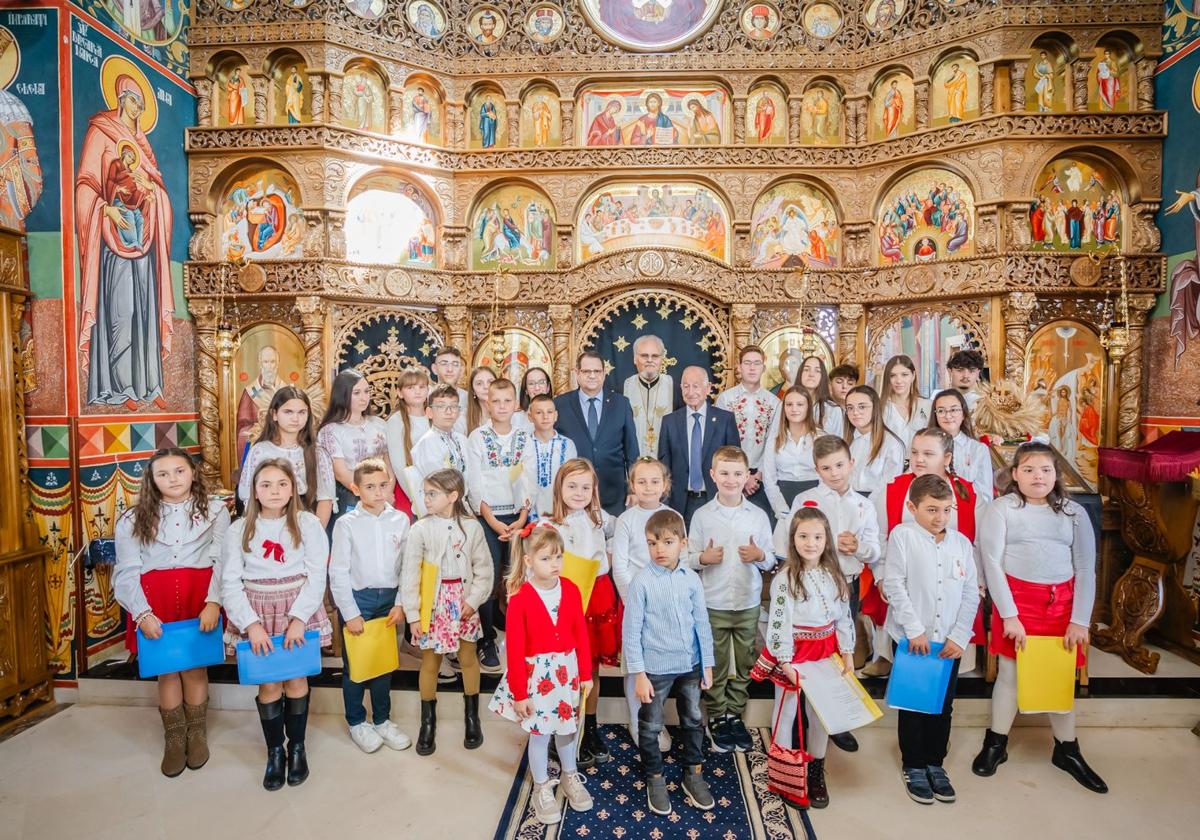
(373, 603)
(650, 720)
(489, 611)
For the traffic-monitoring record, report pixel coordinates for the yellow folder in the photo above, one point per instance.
(1045, 675)
(582, 572)
(374, 652)
(431, 576)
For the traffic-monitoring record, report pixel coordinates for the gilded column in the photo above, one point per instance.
(1017, 309)
(318, 97)
(1079, 75)
(204, 312)
(1016, 75)
(458, 325)
(793, 106)
(204, 92)
(850, 327)
(921, 101)
(741, 317)
(987, 89)
(560, 345)
(566, 110)
(1129, 433)
(739, 120)
(312, 311)
(514, 123)
(395, 117)
(1145, 84)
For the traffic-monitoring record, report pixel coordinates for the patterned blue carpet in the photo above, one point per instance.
(745, 809)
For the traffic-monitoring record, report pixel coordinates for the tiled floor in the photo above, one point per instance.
(92, 771)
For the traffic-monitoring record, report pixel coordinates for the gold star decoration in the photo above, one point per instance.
(664, 311)
(425, 349)
(687, 321)
(620, 344)
(669, 362)
(361, 347)
(608, 368)
(639, 321)
(704, 342)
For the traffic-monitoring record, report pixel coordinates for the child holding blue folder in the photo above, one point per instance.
(932, 588)
(168, 545)
(273, 582)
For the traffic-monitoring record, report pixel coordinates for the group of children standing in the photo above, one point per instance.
(857, 544)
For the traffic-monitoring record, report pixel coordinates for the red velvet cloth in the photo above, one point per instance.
(1170, 458)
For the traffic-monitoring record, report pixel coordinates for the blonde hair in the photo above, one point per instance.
(574, 467)
(254, 509)
(540, 538)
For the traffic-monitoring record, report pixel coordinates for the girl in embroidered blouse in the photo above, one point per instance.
(168, 549)
(878, 452)
(350, 432)
(904, 409)
(287, 432)
(814, 379)
(549, 663)
(972, 458)
(404, 428)
(787, 464)
(477, 397)
(273, 574)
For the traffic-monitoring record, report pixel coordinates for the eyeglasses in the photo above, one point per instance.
(948, 412)
(430, 493)
(444, 407)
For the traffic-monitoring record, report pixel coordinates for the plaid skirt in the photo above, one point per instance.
(271, 598)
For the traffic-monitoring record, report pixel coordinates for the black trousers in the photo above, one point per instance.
(924, 739)
(489, 610)
(691, 504)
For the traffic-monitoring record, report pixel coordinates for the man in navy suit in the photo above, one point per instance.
(689, 437)
(600, 423)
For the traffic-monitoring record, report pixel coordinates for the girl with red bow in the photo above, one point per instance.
(273, 573)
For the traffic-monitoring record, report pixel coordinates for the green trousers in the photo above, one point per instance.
(733, 632)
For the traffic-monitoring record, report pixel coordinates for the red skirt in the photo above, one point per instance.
(1044, 610)
(174, 595)
(814, 650)
(401, 502)
(604, 615)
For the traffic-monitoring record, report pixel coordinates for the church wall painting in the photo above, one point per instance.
(235, 96)
(156, 27)
(649, 26)
(291, 91)
(260, 217)
(269, 356)
(882, 15)
(794, 225)
(486, 119)
(928, 215)
(760, 21)
(390, 221)
(421, 120)
(892, 107)
(954, 91)
(521, 350)
(486, 25)
(512, 228)
(545, 23)
(821, 121)
(426, 18)
(927, 336)
(1110, 79)
(661, 116)
(766, 116)
(541, 118)
(364, 100)
(22, 177)
(1046, 81)
(822, 20)
(1077, 206)
(678, 214)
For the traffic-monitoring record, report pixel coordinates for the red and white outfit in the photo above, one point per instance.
(582, 536)
(547, 656)
(406, 496)
(174, 576)
(459, 550)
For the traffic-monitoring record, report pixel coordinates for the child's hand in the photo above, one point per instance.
(789, 673)
(467, 612)
(847, 543)
(395, 617)
(260, 641)
(920, 645)
(209, 617)
(847, 662)
(879, 589)
(706, 680)
(643, 689)
(750, 553)
(951, 650)
(1076, 634)
(414, 628)
(712, 555)
(1015, 630)
(294, 637)
(151, 627)
(752, 485)
(523, 708)
(354, 627)
(585, 688)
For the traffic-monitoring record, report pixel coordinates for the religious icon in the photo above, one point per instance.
(1185, 279)
(540, 119)
(421, 116)
(389, 221)
(260, 217)
(151, 22)
(513, 227)
(675, 115)
(794, 225)
(368, 9)
(1044, 72)
(893, 109)
(821, 116)
(486, 26)
(269, 356)
(363, 100)
(521, 350)
(427, 19)
(954, 91)
(126, 297)
(650, 24)
(784, 349)
(822, 20)
(929, 337)
(674, 214)
(488, 116)
(236, 5)
(760, 21)
(1107, 90)
(927, 215)
(1077, 207)
(704, 126)
(892, 112)
(21, 179)
(884, 14)
(238, 96)
(545, 24)
(766, 115)
(293, 95)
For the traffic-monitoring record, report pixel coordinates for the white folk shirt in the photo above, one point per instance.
(630, 552)
(265, 450)
(582, 536)
(354, 444)
(791, 462)
(847, 511)
(872, 477)
(496, 465)
(731, 584)
(834, 422)
(366, 554)
(547, 459)
(822, 607)
(931, 586)
(650, 406)
(755, 414)
(438, 450)
(307, 559)
(973, 461)
(905, 429)
(400, 457)
(184, 540)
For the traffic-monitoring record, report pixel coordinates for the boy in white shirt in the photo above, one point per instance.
(932, 588)
(498, 455)
(448, 370)
(729, 543)
(364, 566)
(754, 410)
(443, 446)
(550, 451)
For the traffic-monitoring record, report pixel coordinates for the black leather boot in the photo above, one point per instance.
(845, 741)
(993, 754)
(270, 715)
(592, 751)
(295, 719)
(473, 738)
(818, 793)
(425, 738)
(1067, 757)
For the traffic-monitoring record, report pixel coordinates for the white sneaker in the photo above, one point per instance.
(664, 741)
(392, 736)
(365, 736)
(545, 806)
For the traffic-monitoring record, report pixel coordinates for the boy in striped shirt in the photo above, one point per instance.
(668, 642)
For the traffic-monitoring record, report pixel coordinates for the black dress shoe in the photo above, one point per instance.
(1067, 757)
(818, 793)
(993, 754)
(297, 763)
(845, 741)
(276, 768)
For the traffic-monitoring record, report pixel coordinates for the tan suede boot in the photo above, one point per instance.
(197, 735)
(175, 750)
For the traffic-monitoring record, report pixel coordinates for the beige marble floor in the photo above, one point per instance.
(91, 771)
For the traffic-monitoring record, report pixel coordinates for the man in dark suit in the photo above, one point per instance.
(600, 423)
(690, 435)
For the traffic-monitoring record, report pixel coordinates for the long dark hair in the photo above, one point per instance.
(339, 398)
(148, 510)
(306, 437)
(525, 398)
(914, 393)
(879, 429)
(952, 393)
(253, 509)
(829, 559)
(1059, 496)
(783, 432)
(820, 396)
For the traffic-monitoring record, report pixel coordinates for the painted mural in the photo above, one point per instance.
(821, 116)
(389, 220)
(668, 116)
(545, 23)
(766, 116)
(235, 98)
(1110, 83)
(268, 357)
(522, 350)
(155, 27)
(882, 15)
(21, 178)
(486, 119)
(1046, 82)
(760, 21)
(367, 9)
(1185, 278)
(954, 91)
(1064, 373)
(421, 120)
(291, 93)
(512, 228)
(1077, 207)
(892, 105)
(486, 25)
(650, 24)
(260, 217)
(426, 18)
(822, 20)
(541, 119)
(364, 100)
(794, 226)
(679, 214)
(927, 215)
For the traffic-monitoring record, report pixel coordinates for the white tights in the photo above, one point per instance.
(817, 742)
(539, 755)
(1004, 704)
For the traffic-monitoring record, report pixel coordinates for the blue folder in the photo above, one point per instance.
(181, 646)
(279, 665)
(919, 683)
